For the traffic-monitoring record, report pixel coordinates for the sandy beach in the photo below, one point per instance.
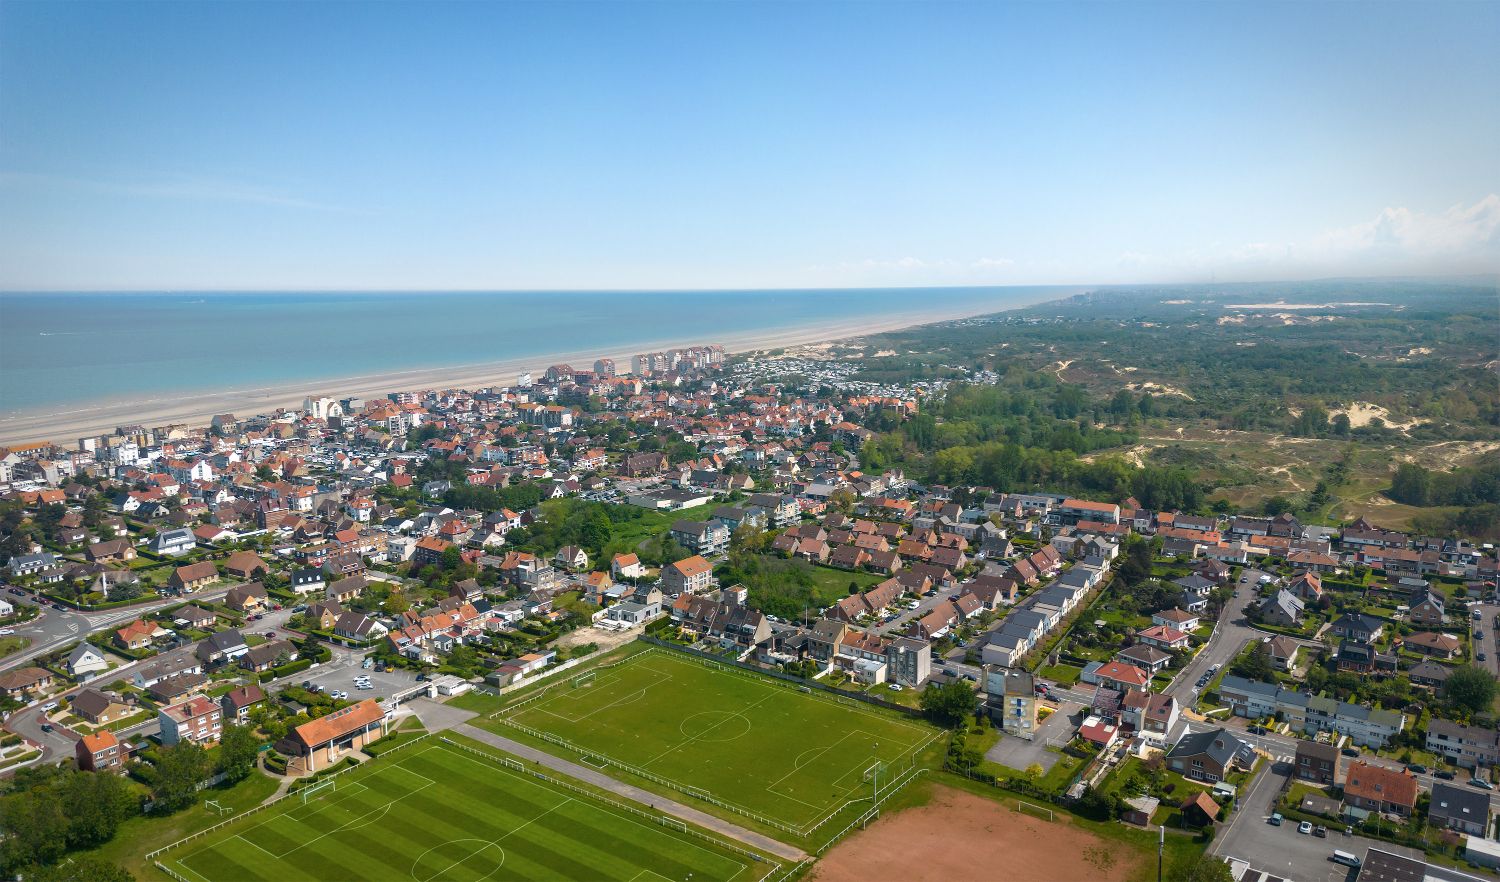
(66, 426)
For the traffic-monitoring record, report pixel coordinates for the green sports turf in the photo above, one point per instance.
(753, 742)
(435, 812)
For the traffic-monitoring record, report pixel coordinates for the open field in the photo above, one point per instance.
(758, 745)
(956, 832)
(438, 812)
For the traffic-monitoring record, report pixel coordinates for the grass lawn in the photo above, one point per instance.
(13, 644)
(654, 523)
(1067, 675)
(759, 745)
(830, 584)
(436, 811)
(145, 833)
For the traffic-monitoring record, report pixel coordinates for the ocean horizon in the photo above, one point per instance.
(61, 352)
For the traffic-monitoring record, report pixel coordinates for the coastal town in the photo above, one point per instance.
(284, 596)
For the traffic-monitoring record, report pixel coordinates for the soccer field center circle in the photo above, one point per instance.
(715, 725)
(483, 860)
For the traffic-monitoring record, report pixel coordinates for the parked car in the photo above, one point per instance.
(1444, 774)
(1275, 819)
(1351, 751)
(46, 727)
(49, 707)
(1305, 827)
(1417, 768)
(1320, 831)
(1482, 783)
(4, 631)
(897, 687)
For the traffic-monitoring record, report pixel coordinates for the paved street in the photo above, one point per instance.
(56, 628)
(1282, 850)
(1490, 643)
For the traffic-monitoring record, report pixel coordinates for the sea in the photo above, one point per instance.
(64, 350)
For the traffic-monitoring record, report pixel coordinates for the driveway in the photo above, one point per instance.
(1282, 851)
(1018, 753)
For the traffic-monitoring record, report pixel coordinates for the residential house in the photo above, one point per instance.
(197, 718)
(1199, 810)
(345, 590)
(100, 752)
(1147, 657)
(1429, 674)
(1309, 713)
(1316, 762)
(1427, 609)
(1380, 789)
(1358, 626)
(626, 566)
(173, 543)
(222, 648)
(98, 708)
(237, 703)
(324, 613)
(1209, 756)
(1284, 610)
(111, 550)
(1434, 644)
(186, 580)
(692, 575)
(571, 557)
(1459, 808)
(1465, 746)
(1282, 651)
(245, 565)
(1182, 620)
(85, 661)
(1163, 637)
(358, 626)
(268, 655)
(307, 581)
(250, 598)
(139, 634)
(191, 616)
(1123, 677)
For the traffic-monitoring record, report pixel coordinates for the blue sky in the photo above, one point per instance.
(640, 145)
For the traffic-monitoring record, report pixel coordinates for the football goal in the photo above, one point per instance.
(216, 807)
(673, 823)
(584, 679)
(1033, 809)
(307, 793)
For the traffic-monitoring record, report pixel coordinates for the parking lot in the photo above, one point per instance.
(1056, 730)
(1282, 851)
(339, 673)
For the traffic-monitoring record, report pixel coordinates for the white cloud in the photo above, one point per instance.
(1459, 230)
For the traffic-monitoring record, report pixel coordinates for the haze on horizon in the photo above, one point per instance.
(674, 145)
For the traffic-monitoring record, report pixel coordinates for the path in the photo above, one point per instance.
(635, 794)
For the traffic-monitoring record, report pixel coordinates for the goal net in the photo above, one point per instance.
(1033, 809)
(874, 772)
(584, 679)
(330, 784)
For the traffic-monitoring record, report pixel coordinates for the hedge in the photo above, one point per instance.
(295, 667)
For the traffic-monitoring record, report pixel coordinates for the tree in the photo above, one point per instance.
(1470, 687)
(79, 870)
(1206, 869)
(182, 767)
(95, 806)
(949, 704)
(35, 828)
(238, 748)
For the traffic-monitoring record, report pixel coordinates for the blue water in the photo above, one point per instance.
(60, 350)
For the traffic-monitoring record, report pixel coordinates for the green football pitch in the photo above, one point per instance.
(757, 744)
(435, 811)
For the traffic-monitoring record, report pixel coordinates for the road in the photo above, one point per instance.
(1490, 643)
(56, 628)
(1282, 850)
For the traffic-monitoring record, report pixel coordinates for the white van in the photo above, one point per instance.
(1345, 858)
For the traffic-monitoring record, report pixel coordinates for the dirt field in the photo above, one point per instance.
(961, 836)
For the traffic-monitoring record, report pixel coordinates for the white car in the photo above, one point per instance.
(49, 707)
(4, 631)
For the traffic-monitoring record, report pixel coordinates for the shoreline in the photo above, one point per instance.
(65, 427)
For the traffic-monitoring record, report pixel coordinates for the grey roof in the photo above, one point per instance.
(1220, 745)
(1463, 803)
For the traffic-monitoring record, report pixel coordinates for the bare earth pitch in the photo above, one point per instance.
(756, 743)
(435, 811)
